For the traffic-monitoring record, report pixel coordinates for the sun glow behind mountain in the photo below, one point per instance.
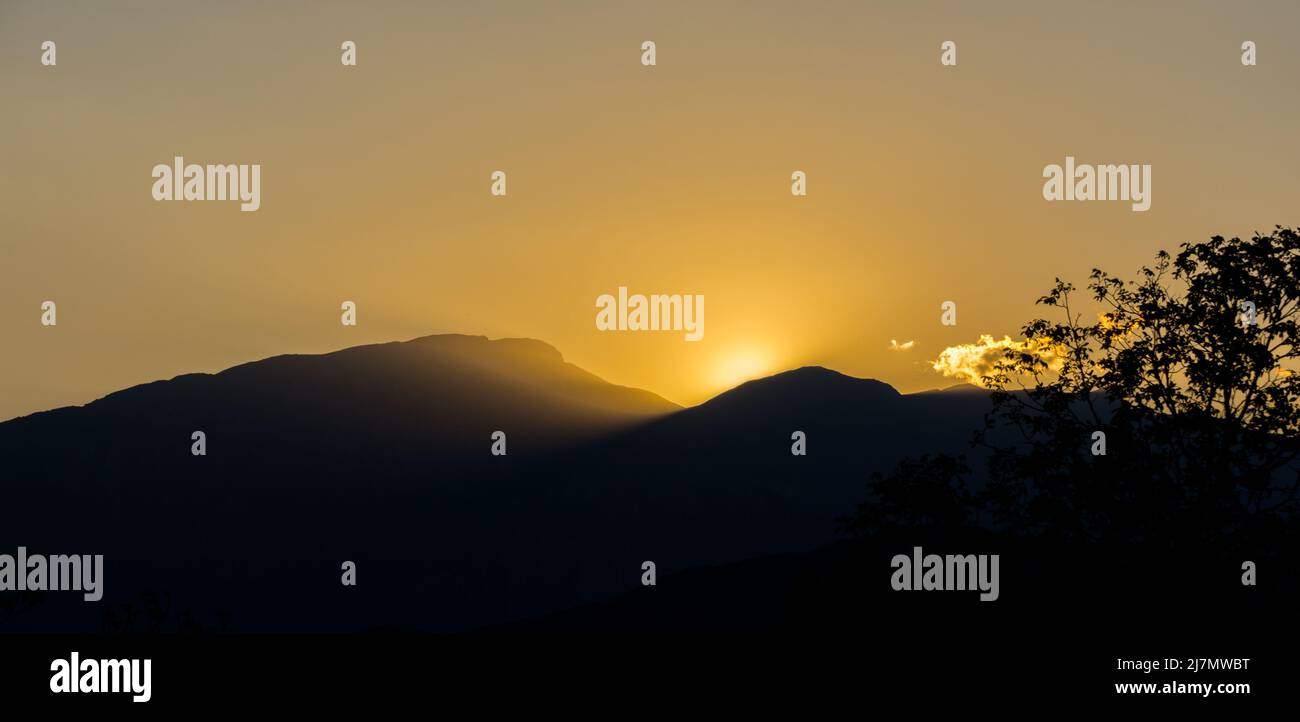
(740, 365)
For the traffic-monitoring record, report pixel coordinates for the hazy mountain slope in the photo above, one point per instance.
(718, 482)
(438, 391)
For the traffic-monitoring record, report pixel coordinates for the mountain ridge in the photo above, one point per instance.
(383, 454)
(517, 347)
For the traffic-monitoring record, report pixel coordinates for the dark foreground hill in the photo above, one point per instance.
(380, 455)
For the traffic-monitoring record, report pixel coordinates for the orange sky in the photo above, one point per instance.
(924, 181)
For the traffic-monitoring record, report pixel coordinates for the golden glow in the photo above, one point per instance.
(736, 367)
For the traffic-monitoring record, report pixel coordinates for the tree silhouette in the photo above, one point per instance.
(1189, 371)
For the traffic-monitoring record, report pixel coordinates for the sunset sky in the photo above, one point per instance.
(924, 182)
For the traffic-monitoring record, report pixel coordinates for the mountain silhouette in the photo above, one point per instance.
(438, 392)
(803, 389)
(380, 455)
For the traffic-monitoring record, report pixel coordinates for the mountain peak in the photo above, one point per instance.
(403, 387)
(460, 342)
(523, 346)
(814, 376)
(805, 386)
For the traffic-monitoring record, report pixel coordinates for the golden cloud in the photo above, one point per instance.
(971, 362)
